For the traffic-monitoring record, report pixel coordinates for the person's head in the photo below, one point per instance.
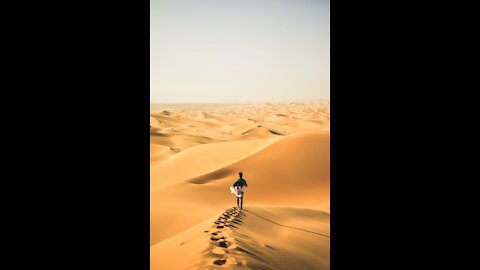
(241, 174)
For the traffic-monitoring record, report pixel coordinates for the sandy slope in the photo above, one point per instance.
(284, 152)
(201, 160)
(257, 237)
(292, 171)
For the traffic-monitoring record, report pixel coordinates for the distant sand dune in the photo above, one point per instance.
(159, 153)
(202, 159)
(260, 131)
(179, 140)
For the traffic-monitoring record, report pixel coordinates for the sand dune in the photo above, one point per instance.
(176, 139)
(202, 159)
(291, 171)
(219, 122)
(196, 153)
(257, 237)
(159, 153)
(262, 132)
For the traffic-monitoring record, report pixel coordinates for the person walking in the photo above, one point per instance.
(238, 189)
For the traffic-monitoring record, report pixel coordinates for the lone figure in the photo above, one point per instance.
(237, 189)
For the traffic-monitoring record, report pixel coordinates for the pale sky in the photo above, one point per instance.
(246, 50)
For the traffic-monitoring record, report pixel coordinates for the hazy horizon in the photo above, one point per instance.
(235, 101)
(227, 51)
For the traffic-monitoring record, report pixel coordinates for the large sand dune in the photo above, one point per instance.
(196, 153)
(258, 237)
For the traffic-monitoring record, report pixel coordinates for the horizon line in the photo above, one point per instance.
(240, 101)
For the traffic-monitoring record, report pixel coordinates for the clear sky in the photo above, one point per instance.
(245, 50)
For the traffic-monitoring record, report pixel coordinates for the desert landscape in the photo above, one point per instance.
(196, 152)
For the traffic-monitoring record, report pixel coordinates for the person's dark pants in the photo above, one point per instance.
(240, 202)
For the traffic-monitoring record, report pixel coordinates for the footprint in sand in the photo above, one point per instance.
(220, 262)
(224, 244)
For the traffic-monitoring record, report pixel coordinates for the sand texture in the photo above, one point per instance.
(196, 152)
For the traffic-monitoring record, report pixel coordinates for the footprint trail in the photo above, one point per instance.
(223, 248)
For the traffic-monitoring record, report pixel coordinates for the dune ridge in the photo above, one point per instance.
(244, 239)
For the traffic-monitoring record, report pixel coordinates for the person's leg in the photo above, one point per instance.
(238, 201)
(241, 203)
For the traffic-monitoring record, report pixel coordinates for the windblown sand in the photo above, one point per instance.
(196, 152)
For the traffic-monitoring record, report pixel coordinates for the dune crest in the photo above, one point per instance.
(219, 155)
(261, 131)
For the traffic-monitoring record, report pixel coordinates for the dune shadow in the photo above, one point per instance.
(246, 251)
(210, 177)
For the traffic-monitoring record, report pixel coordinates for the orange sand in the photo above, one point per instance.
(283, 149)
